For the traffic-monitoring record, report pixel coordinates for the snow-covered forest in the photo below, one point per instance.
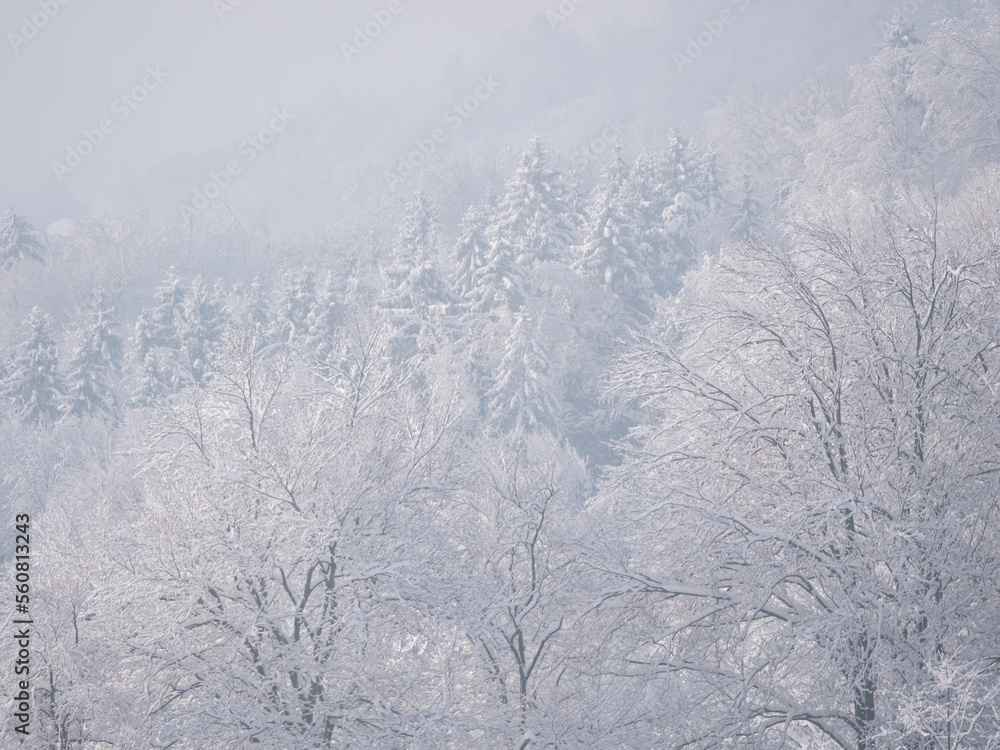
(685, 438)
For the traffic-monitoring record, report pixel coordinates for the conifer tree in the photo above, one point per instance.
(537, 214)
(676, 189)
(294, 300)
(200, 327)
(416, 295)
(613, 251)
(249, 305)
(19, 240)
(94, 362)
(157, 344)
(749, 219)
(472, 248)
(32, 385)
(522, 399)
(535, 221)
(325, 317)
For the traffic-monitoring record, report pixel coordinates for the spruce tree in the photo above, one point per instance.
(749, 219)
(537, 214)
(677, 188)
(19, 240)
(501, 282)
(32, 385)
(200, 327)
(157, 343)
(522, 399)
(325, 317)
(536, 221)
(416, 295)
(94, 362)
(293, 302)
(614, 251)
(472, 248)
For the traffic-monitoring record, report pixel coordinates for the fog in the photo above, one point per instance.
(537, 374)
(227, 65)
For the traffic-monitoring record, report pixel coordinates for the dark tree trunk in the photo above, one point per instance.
(864, 696)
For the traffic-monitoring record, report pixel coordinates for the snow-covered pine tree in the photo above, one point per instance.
(748, 219)
(33, 386)
(200, 328)
(416, 241)
(899, 33)
(19, 240)
(249, 305)
(326, 315)
(522, 399)
(535, 221)
(614, 251)
(676, 188)
(157, 345)
(295, 297)
(537, 213)
(501, 282)
(94, 362)
(474, 291)
(416, 295)
(472, 248)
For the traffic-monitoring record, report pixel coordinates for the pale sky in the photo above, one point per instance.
(209, 72)
(223, 74)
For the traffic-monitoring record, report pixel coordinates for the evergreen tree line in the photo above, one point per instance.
(494, 296)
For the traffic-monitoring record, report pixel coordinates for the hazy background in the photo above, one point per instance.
(228, 70)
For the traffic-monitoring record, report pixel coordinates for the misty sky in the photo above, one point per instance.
(220, 74)
(224, 74)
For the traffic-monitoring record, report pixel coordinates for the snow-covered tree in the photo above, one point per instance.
(156, 344)
(807, 502)
(19, 241)
(538, 210)
(472, 248)
(200, 327)
(248, 304)
(614, 251)
(748, 219)
(293, 302)
(501, 282)
(958, 708)
(536, 221)
(522, 398)
(32, 385)
(94, 361)
(510, 589)
(899, 33)
(677, 189)
(282, 535)
(417, 296)
(326, 316)
(417, 240)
